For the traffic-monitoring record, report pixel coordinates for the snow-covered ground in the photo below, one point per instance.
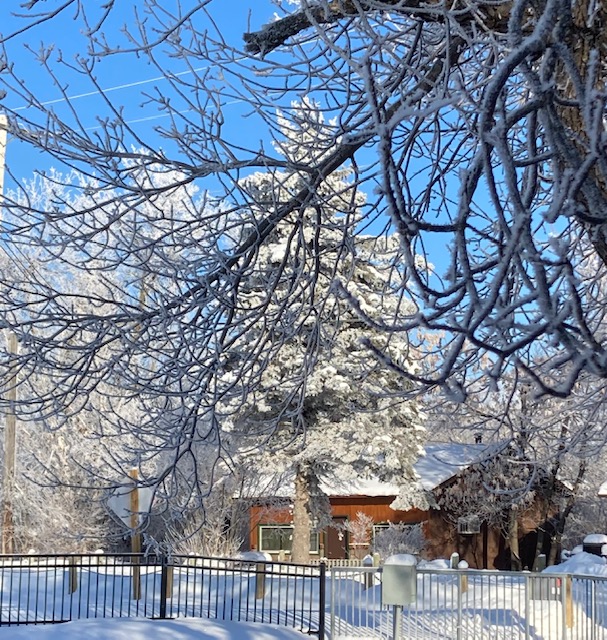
(467, 605)
(132, 629)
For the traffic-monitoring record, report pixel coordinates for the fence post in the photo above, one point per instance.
(260, 581)
(136, 574)
(162, 614)
(463, 578)
(72, 577)
(540, 563)
(135, 535)
(169, 589)
(322, 596)
(568, 601)
(369, 575)
(397, 621)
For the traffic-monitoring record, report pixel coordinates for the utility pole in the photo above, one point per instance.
(10, 421)
(10, 432)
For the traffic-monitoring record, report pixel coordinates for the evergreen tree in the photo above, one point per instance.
(326, 410)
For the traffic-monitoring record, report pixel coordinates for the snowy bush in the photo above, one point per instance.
(399, 538)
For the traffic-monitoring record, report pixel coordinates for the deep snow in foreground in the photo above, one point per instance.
(141, 629)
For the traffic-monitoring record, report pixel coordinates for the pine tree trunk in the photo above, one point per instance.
(300, 551)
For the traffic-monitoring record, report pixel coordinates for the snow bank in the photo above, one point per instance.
(403, 559)
(583, 564)
(141, 629)
(254, 556)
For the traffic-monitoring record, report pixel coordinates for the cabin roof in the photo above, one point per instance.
(441, 462)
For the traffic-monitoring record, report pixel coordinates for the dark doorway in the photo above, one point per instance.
(336, 539)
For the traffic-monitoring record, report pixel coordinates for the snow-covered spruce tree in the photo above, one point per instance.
(326, 409)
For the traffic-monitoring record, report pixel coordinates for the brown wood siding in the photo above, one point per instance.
(487, 549)
(348, 507)
(377, 508)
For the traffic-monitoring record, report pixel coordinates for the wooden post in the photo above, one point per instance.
(260, 581)
(568, 586)
(463, 582)
(73, 577)
(10, 453)
(169, 587)
(166, 587)
(135, 535)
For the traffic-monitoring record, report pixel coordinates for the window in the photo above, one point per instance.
(378, 529)
(279, 537)
(469, 525)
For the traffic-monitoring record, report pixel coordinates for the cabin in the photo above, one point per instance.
(444, 533)
(271, 530)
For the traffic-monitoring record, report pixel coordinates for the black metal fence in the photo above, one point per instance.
(39, 589)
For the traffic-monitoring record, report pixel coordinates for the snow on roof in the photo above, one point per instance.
(602, 492)
(441, 462)
(445, 460)
(359, 487)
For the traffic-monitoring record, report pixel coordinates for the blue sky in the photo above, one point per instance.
(125, 75)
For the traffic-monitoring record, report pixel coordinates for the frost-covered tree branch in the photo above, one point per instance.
(475, 131)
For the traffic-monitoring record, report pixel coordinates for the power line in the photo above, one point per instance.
(127, 85)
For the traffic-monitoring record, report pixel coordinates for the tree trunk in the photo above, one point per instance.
(300, 551)
(515, 555)
(556, 539)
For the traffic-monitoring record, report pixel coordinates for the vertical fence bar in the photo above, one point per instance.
(459, 606)
(333, 614)
(322, 597)
(164, 581)
(593, 610)
(528, 579)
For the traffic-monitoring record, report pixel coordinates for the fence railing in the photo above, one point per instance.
(468, 605)
(447, 604)
(58, 588)
(337, 562)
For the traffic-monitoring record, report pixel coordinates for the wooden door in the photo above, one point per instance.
(336, 539)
